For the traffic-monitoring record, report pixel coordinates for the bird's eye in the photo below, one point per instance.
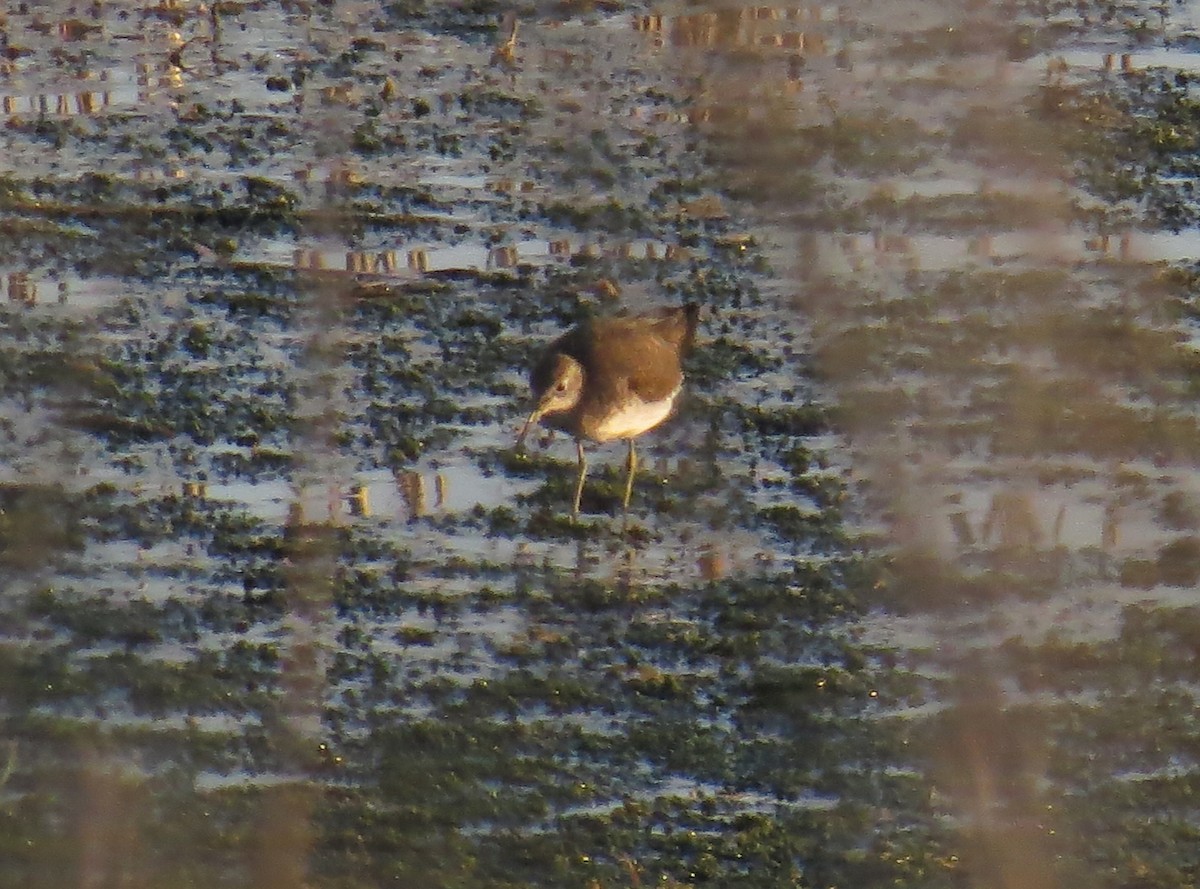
(561, 387)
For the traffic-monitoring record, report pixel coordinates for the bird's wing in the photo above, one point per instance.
(637, 362)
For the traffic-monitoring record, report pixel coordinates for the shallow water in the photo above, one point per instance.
(1016, 401)
(905, 593)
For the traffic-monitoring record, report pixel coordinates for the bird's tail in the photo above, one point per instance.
(686, 318)
(677, 325)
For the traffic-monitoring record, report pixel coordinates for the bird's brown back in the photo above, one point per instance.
(637, 355)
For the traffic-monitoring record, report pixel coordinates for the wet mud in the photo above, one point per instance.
(906, 590)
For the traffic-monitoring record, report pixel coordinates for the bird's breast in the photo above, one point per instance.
(628, 419)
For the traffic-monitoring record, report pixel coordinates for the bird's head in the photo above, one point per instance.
(562, 389)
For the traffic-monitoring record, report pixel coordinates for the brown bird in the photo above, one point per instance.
(610, 378)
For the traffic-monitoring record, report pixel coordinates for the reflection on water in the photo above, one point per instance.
(124, 88)
(421, 260)
(858, 253)
(64, 289)
(281, 594)
(1011, 380)
(738, 27)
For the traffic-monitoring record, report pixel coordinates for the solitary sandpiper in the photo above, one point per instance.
(611, 378)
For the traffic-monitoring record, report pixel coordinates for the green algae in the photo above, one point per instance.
(566, 726)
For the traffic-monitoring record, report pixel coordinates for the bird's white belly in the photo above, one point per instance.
(634, 418)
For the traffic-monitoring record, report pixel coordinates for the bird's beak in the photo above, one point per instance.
(533, 418)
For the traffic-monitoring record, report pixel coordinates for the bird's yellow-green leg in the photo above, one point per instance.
(629, 477)
(582, 473)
